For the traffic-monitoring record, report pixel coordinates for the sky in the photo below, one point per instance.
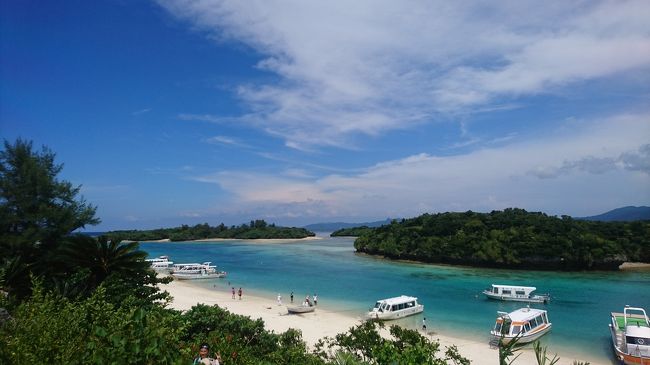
(178, 112)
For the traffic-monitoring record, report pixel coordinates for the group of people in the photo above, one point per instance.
(306, 303)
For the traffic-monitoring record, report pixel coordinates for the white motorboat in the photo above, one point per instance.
(161, 263)
(197, 271)
(630, 332)
(394, 308)
(524, 324)
(515, 293)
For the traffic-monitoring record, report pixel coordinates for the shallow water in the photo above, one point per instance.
(348, 282)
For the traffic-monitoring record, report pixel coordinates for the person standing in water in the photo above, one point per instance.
(240, 292)
(279, 299)
(424, 324)
(291, 297)
(315, 299)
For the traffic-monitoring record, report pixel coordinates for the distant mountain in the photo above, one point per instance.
(330, 227)
(625, 214)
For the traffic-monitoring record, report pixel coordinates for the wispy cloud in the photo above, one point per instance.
(593, 161)
(224, 140)
(369, 67)
(142, 111)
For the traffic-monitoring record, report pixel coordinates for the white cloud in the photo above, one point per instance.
(583, 169)
(373, 66)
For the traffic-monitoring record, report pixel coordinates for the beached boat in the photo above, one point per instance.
(197, 271)
(393, 308)
(525, 324)
(161, 263)
(301, 309)
(515, 293)
(630, 332)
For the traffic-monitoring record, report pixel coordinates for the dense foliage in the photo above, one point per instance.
(353, 232)
(257, 229)
(512, 238)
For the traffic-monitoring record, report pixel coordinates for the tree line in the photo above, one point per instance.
(512, 238)
(257, 229)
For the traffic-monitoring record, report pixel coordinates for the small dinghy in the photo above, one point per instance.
(300, 309)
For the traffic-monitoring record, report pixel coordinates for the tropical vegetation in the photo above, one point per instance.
(512, 238)
(353, 232)
(257, 229)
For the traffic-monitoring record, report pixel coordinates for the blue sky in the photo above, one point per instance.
(182, 112)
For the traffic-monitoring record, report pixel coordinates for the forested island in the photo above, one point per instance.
(353, 232)
(257, 229)
(512, 238)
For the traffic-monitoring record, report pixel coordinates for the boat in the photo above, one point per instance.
(161, 263)
(524, 324)
(630, 332)
(197, 271)
(394, 308)
(301, 309)
(515, 293)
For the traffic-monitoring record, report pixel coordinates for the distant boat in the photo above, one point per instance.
(525, 324)
(393, 308)
(515, 293)
(630, 332)
(196, 271)
(161, 263)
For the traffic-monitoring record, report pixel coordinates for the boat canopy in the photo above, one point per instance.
(523, 314)
(398, 300)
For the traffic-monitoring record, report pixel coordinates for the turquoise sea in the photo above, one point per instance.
(350, 283)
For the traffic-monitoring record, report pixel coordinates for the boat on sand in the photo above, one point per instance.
(630, 332)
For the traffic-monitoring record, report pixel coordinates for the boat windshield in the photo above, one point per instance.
(378, 304)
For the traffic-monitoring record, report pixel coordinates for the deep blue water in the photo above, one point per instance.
(348, 282)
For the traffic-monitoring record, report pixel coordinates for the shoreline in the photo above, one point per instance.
(326, 321)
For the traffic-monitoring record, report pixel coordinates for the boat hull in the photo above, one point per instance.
(533, 299)
(387, 316)
(527, 337)
(299, 310)
(198, 276)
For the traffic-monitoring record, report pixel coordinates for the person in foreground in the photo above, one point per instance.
(204, 359)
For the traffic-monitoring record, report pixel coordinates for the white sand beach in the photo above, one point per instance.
(322, 322)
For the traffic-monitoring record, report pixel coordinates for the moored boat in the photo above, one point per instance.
(515, 293)
(160, 263)
(524, 324)
(301, 309)
(394, 308)
(197, 271)
(630, 332)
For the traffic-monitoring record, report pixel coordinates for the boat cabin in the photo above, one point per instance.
(396, 307)
(525, 323)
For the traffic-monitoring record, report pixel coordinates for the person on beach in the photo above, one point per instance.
(291, 297)
(233, 292)
(424, 324)
(279, 299)
(240, 293)
(315, 299)
(204, 357)
(308, 301)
